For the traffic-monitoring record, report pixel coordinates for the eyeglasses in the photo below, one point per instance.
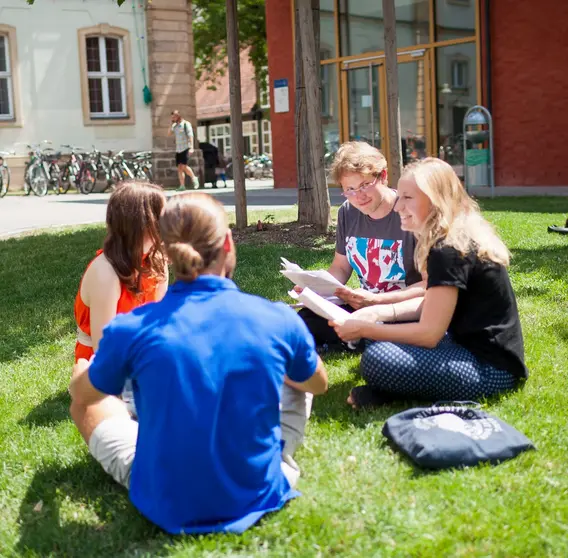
(362, 189)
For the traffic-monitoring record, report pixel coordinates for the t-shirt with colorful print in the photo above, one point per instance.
(379, 251)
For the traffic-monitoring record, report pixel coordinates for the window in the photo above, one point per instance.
(105, 72)
(220, 136)
(460, 71)
(266, 137)
(105, 75)
(265, 93)
(6, 103)
(10, 113)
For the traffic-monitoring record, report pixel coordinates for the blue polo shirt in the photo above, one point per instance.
(207, 365)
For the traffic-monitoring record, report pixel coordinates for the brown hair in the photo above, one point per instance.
(133, 213)
(194, 227)
(357, 157)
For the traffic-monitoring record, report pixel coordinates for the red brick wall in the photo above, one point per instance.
(529, 50)
(281, 66)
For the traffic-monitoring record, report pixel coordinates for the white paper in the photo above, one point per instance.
(281, 99)
(322, 307)
(320, 282)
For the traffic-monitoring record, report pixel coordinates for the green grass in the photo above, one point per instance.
(55, 501)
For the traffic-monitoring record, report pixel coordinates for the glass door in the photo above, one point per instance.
(415, 111)
(361, 85)
(365, 106)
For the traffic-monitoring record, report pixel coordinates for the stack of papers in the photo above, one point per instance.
(320, 282)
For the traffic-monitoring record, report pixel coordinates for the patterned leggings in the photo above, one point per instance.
(448, 372)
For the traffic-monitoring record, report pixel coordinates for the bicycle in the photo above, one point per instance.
(42, 171)
(140, 166)
(71, 170)
(4, 173)
(112, 168)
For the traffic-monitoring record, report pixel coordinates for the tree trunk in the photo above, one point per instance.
(313, 195)
(236, 114)
(393, 103)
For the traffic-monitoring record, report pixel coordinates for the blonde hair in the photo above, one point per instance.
(357, 157)
(193, 227)
(455, 219)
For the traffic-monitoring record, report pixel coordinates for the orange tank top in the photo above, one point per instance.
(127, 302)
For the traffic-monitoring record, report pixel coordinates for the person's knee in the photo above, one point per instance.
(375, 361)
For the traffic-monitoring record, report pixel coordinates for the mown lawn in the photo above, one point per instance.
(55, 501)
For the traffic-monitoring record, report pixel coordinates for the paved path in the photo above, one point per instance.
(19, 214)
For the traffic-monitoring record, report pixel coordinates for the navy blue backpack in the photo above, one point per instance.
(445, 436)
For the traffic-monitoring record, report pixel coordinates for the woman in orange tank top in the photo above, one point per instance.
(131, 268)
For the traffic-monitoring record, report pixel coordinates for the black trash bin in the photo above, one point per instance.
(211, 161)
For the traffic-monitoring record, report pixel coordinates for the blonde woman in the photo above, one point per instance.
(468, 342)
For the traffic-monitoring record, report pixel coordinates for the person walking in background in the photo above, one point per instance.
(184, 147)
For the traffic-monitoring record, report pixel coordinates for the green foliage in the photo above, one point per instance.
(210, 36)
(360, 498)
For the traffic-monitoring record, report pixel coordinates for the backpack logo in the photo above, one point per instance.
(476, 429)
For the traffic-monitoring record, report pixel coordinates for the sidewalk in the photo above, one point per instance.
(20, 214)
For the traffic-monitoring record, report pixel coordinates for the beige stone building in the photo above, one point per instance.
(73, 72)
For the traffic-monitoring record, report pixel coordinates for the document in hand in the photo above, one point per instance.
(321, 306)
(320, 282)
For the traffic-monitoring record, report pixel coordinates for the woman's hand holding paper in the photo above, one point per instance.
(350, 330)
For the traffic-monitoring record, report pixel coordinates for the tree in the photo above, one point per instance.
(313, 195)
(210, 36)
(236, 112)
(393, 101)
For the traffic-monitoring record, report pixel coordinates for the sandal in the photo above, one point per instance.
(559, 230)
(366, 397)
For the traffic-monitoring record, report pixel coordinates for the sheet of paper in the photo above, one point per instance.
(322, 307)
(293, 294)
(321, 282)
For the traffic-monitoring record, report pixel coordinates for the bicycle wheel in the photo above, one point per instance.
(148, 171)
(141, 175)
(65, 181)
(38, 181)
(55, 178)
(88, 178)
(4, 180)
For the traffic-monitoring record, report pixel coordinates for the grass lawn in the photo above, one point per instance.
(56, 501)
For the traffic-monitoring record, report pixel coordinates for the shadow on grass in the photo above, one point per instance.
(109, 528)
(39, 287)
(40, 284)
(550, 259)
(532, 204)
(49, 412)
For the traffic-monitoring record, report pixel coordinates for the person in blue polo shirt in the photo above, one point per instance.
(222, 383)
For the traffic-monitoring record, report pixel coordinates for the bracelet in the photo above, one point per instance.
(394, 313)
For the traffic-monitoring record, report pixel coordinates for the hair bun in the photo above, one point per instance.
(187, 261)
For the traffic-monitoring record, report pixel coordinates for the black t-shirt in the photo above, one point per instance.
(486, 319)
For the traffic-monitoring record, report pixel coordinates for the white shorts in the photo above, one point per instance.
(113, 445)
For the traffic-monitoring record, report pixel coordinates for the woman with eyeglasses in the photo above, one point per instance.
(370, 242)
(468, 342)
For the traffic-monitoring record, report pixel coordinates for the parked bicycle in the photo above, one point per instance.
(41, 171)
(4, 172)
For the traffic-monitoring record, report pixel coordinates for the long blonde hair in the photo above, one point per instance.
(455, 219)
